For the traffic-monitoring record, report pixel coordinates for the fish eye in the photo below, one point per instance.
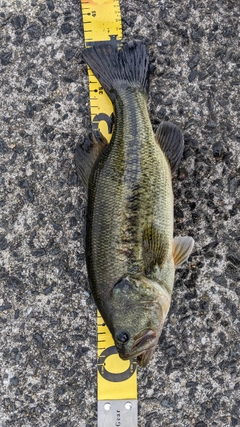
(122, 336)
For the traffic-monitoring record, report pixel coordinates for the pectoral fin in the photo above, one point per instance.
(155, 247)
(182, 247)
(170, 139)
(86, 154)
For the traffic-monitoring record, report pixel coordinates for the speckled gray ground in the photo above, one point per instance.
(48, 328)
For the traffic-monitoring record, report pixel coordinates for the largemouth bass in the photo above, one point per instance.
(130, 251)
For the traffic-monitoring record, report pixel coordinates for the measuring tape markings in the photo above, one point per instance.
(112, 369)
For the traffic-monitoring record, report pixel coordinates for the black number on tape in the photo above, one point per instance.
(108, 119)
(111, 376)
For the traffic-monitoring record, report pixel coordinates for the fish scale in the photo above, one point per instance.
(139, 154)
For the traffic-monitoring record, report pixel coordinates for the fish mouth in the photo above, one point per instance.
(143, 347)
(143, 359)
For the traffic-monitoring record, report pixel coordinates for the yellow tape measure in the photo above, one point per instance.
(117, 379)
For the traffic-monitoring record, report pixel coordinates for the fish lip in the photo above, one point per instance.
(142, 357)
(143, 338)
(143, 347)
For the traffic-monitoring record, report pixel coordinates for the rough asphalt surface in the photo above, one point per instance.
(47, 314)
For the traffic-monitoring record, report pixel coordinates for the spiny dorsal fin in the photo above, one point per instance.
(170, 139)
(86, 154)
(181, 247)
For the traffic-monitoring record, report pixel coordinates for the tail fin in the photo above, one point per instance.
(116, 68)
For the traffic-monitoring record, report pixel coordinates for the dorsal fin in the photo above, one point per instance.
(181, 249)
(170, 139)
(86, 154)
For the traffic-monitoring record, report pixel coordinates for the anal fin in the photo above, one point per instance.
(86, 154)
(170, 139)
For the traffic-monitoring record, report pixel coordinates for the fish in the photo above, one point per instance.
(131, 254)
